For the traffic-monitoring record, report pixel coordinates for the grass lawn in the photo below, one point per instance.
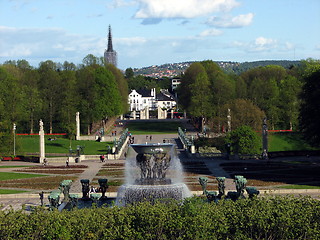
(140, 128)
(30, 144)
(287, 142)
(299, 187)
(9, 191)
(13, 166)
(12, 175)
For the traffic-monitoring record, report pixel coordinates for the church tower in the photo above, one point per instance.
(110, 56)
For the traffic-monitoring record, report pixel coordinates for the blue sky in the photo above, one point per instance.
(154, 32)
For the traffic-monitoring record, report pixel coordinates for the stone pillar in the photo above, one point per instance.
(42, 149)
(165, 114)
(159, 112)
(78, 125)
(147, 112)
(184, 114)
(171, 113)
(134, 114)
(142, 114)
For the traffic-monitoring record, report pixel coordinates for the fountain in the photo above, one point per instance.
(153, 172)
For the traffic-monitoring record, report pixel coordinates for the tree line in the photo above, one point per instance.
(54, 92)
(271, 91)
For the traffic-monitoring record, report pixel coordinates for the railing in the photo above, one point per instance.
(186, 141)
(117, 144)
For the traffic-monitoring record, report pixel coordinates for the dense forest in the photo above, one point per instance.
(54, 93)
(271, 91)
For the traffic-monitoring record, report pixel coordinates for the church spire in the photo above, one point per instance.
(110, 48)
(110, 55)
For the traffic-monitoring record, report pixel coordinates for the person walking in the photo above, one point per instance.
(41, 198)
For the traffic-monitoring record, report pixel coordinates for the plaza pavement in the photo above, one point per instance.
(16, 201)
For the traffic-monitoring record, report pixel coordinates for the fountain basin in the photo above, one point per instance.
(131, 194)
(152, 148)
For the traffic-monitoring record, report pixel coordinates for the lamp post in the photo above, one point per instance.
(14, 139)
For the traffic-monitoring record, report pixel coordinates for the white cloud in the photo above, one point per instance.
(210, 32)
(182, 8)
(121, 3)
(41, 44)
(260, 44)
(131, 41)
(17, 43)
(231, 22)
(289, 46)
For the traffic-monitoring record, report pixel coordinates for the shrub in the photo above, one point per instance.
(218, 142)
(244, 140)
(264, 218)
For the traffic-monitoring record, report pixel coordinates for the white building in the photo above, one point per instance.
(140, 99)
(165, 100)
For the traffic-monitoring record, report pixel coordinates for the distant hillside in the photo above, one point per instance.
(176, 69)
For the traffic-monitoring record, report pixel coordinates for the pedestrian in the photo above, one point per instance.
(67, 162)
(115, 133)
(150, 138)
(44, 162)
(41, 198)
(146, 137)
(102, 158)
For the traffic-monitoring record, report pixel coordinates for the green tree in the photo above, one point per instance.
(68, 102)
(243, 112)
(86, 90)
(107, 102)
(184, 89)
(309, 117)
(49, 86)
(122, 85)
(263, 89)
(200, 98)
(244, 140)
(33, 101)
(289, 102)
(140, 82)
(129, 74)
(11, 93)
(241, 88)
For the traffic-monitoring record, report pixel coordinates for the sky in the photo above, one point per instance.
(155, 32)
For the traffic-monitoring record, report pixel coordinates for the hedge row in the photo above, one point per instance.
(263, 218)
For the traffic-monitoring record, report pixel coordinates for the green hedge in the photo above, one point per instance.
(263, 218)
